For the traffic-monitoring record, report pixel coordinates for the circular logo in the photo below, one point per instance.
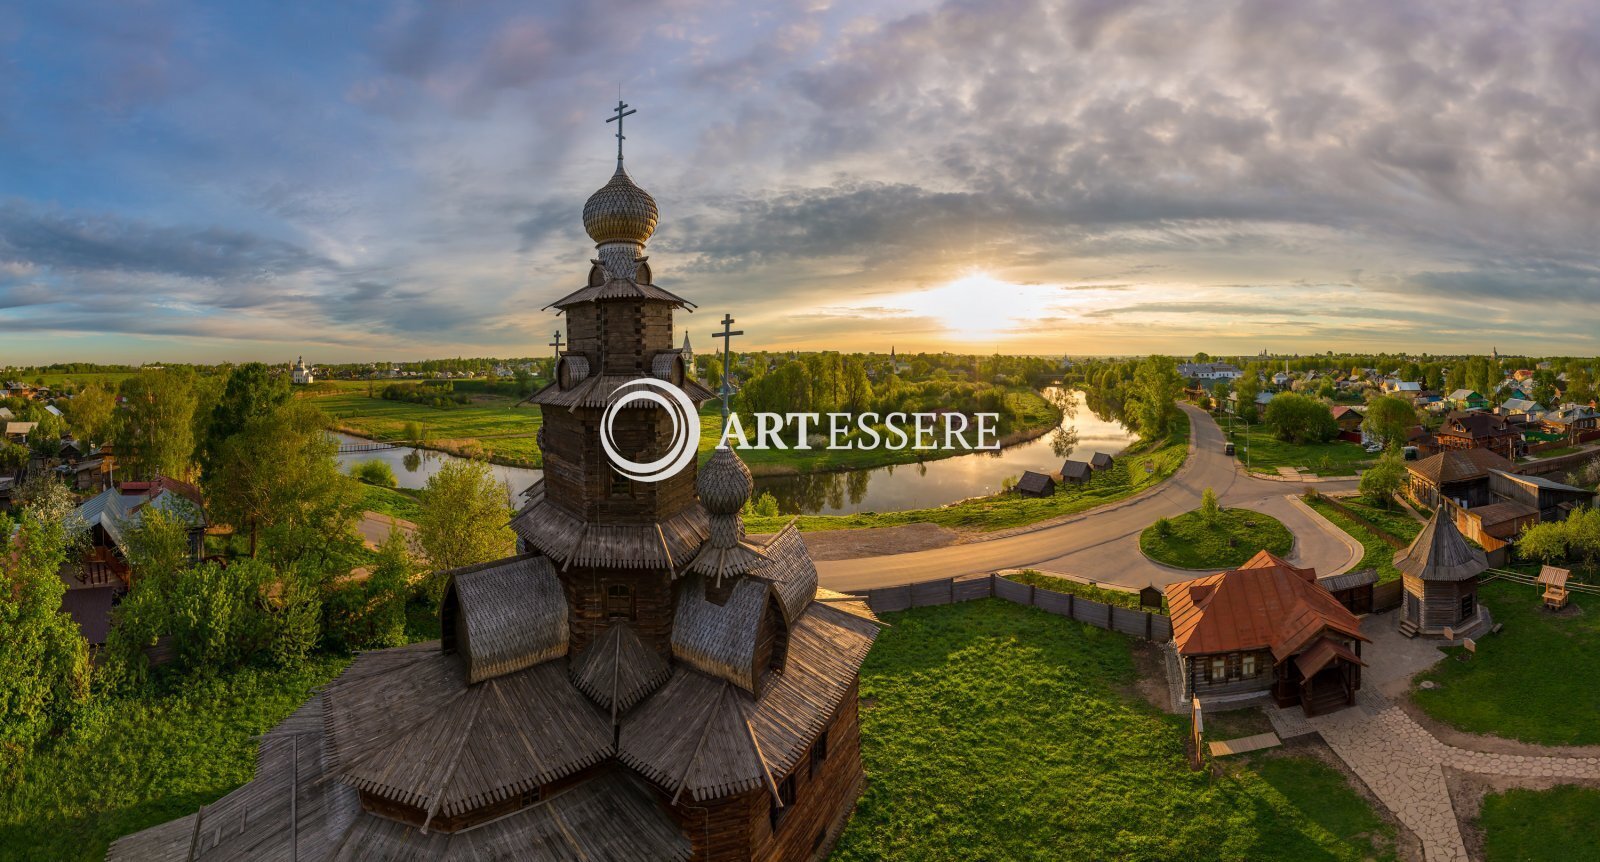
(685, 429)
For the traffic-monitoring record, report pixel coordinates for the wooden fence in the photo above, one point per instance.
(1386, 596)
(944, 591)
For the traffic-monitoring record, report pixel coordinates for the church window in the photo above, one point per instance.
(619, 600)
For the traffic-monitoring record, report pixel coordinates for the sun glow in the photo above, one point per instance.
(979, 306)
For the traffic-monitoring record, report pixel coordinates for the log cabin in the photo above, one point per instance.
(642, 682)
(1439, 575)
(1266, 627)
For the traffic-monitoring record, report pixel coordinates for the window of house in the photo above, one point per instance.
(1468, 606)
(1249, 665)
(1218, 670)
(1234, 666)
(819, 752)
(619, 600)
(785, 796)
(621, 486)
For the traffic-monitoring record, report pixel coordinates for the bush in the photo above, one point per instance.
(1301, 419)
(371, 613)
(375, 473)
(1210, 510)
(216, 617)
(1163, 527)
(762, 506)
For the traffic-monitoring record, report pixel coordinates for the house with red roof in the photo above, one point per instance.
(1266, 626)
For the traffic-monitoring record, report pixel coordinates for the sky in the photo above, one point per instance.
(361, 181)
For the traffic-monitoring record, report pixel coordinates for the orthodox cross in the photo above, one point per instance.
(622, 111)
(557, 344)
(727, 334)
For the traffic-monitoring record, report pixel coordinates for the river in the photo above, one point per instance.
(881, 489)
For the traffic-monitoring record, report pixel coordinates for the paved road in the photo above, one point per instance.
(1103, 544)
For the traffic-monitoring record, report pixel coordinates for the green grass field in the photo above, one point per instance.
(1268, 453)
(995, 731)
(1537, 681)
(1237, 535)
(1555, 825)
(1377, 553)
(1163, 457)
(496, 427)
(405, 504)
(135, 762)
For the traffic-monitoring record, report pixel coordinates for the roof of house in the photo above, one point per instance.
(1342, 410)
(1464, 395)
(1500, 513)
(1076, 469)
(1034, 482)
(1264, 604)
(1440, 552)
(1457, 465)
(1541, 482)
(1349, 580)
(20, 427)
(1477, 425)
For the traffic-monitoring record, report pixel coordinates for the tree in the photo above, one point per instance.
(1210, 509)
(1301, 419)
(93, 414)
(279, 471)
(251, 391)
(156, 434)
(45, 438)
(371, 613)
(1389, 420)
(44, 662)
(1248, 387)
(1152, 395)
(1381, 481)
(463, 520)
(12, 458)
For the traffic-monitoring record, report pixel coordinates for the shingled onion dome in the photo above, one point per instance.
(620, 212)
(724, 485)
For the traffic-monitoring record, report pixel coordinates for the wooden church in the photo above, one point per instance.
(643, 683)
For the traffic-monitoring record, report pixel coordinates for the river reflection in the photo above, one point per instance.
(934, 483)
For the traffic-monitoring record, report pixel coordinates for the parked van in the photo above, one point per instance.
(1227, 448)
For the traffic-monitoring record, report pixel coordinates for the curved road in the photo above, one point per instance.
(1103, 544)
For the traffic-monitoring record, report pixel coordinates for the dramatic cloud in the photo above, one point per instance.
(361, 182)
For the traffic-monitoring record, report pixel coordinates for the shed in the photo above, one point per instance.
(1076, 472)
(1101, 461)
(1151, 597)
(1036, 484)
(1353, 589)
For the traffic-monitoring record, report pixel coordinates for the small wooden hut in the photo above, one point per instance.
(1036, 484)
(1101, 461)
(1439, 572)
(1076, 472)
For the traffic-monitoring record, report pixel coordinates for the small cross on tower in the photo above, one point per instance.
(557, 344)
(622, 111)
(727, 334)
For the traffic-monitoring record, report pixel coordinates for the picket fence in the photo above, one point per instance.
(944, 591)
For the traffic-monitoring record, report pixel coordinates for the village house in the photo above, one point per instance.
(1514, 409)
(1076, 472)
(1101, 461)
(1548, 499)
(1576, 422)
(1461, 475)
(1266, 626)
(1479, 430)
(1467, 399)
(1209, 371)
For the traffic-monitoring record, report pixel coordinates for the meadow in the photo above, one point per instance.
(996, 731)
(1189, 542)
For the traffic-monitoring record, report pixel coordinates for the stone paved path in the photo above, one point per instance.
(1404, 765)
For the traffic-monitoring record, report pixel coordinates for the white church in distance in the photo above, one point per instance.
(300, 372)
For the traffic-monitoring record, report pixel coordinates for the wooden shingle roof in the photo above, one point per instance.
(1034, 482)
(1456, 465)
(618, 670)
(595, 391)
(513, 615)
(1440, 552)
(720, 640)
(790, 571)
(1075, 469)
(569, 541)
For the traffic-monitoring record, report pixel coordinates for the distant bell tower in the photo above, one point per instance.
(617, 542)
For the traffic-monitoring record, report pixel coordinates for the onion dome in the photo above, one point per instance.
(724, 483)
(620, 212)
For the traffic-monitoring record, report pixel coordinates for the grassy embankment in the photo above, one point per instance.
(1268, 453)
(1188, 542)
(1555, 825)
(1538, 680)
(997, 731)
(1376, 553)
(1163, 456)
(495, 427)
(1120, 598)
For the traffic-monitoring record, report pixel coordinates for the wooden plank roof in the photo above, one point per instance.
(569, 541)
(618, 670)
(720, 640)
(790, 571)
(1458, 465)
(1440, 552)
(595, 391)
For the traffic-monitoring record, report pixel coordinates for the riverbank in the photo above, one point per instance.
(1140, 467)
(496, 428)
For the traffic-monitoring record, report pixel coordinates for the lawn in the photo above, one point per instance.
(505, 432)
(1267, 453)
(1163, 457)
(1377, 553)
(995, 731)
(1237, 535)
(394, 502)
(1120, 598)
(1555, 825)
(134, 763)
(1537, 681)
